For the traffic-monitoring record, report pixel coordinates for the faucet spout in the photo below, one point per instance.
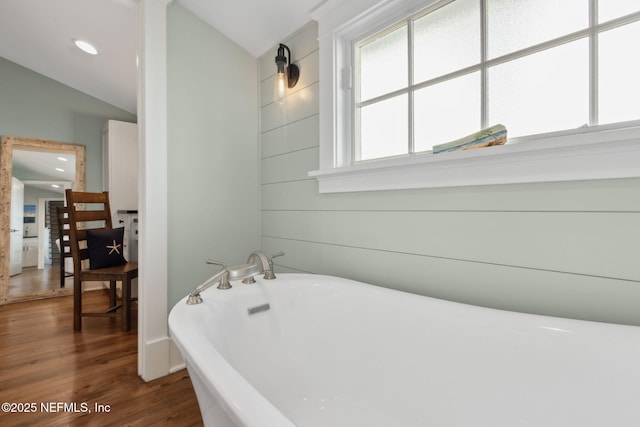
(266, 263)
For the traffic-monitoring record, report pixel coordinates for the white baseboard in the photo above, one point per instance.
(159, 358)
(176, 361)
(154, 359)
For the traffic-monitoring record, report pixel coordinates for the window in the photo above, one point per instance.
(456, 67)
(399, 76)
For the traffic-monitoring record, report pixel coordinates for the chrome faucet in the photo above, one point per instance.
(222, 278)
(266, 263)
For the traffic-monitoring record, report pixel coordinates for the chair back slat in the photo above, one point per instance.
(63, 231)
(84, 253)
(64, 240)
(81, 234)
(89, 216)
(84, 197)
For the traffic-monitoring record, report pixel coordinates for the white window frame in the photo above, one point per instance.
(602, 152)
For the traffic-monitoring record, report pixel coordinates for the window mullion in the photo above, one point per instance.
(353, 150)
(593, 63)
(382, 97)
(484, 99)
(411, 146)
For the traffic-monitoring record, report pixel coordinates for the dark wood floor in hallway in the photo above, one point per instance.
(87, 378)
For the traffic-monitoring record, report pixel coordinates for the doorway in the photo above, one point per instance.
(42, 267)
(10, 146)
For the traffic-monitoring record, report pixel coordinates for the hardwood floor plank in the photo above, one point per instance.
(43, 361)
(32, 280)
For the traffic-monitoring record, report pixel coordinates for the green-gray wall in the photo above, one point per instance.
(212, 151)
(35, 106)
(568, 249)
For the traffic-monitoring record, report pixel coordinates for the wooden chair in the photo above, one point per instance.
(63, 242)
(92, 217)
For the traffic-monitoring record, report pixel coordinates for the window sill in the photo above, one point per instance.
(603, 154)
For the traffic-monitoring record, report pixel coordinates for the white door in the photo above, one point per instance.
(15, 240)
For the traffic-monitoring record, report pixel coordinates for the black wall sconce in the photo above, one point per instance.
(287, 74)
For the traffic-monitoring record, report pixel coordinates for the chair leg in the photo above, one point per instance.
(62, 272)
(77, 304)
(112, 293)
(126, 305)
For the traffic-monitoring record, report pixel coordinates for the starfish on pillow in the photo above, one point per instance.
(114, 247)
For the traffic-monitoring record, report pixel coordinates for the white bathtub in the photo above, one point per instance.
(333, 352)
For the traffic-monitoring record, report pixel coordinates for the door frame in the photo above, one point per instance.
(15, 240)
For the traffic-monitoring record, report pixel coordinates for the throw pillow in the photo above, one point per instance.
(105, 247)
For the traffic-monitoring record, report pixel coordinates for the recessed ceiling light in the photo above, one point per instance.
(62, 159)
(55, 185)
(60, 169)
(86, 47)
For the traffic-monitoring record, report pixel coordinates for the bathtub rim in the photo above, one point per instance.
(259, 401)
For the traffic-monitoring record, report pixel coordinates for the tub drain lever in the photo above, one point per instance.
(258, 308)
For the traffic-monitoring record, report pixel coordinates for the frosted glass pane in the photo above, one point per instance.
(384, 129)
(447, 40)
(517, 24)
(543, 92)
(446, 111)
(611, 9)
(619, 71)
(384, 65)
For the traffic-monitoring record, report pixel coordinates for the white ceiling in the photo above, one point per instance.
(256, 25)
(38, 34)
(47, 166)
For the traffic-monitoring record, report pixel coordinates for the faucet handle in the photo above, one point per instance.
(220, 263)
(275, 255)
(270, 274)
(224, 279)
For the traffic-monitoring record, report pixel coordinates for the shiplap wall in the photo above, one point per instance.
(568, 249)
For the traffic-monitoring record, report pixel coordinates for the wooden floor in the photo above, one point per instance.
(88, 377)
(32, 280)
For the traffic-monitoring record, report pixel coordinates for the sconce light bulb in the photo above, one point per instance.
(280, 87)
